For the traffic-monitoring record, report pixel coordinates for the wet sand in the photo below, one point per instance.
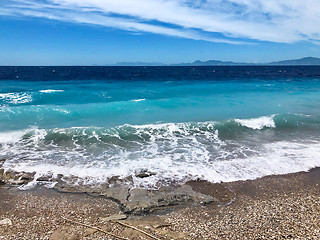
(273, 207)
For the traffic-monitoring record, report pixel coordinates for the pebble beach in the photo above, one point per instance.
(272, 207)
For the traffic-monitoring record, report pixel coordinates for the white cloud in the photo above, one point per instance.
(284, 21)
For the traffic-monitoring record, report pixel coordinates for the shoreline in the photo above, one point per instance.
(278, 206)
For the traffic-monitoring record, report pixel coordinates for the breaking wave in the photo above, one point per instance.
(257, 123)
(175, 152)
(14, 98)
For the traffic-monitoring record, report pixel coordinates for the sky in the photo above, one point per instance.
(102, 32)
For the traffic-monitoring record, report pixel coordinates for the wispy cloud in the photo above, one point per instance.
(280, 21)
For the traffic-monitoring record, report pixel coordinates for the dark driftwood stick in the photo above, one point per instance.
(137, 229)
(98, 229)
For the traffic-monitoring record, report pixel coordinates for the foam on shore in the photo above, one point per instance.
(173, 152)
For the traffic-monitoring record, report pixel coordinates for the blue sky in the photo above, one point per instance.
(86, 32)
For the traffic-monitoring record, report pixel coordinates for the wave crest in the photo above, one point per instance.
(174, 151)
(257, 123)
(50, 91)
(15, 98)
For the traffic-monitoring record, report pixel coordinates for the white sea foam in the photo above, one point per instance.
(50, 91)
(11, 136)
(138, 100)
(16, 98)
(280, 158)
(175, 151)
(257, 123)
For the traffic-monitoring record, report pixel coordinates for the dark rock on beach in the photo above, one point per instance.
(15, 178)
(2, 161)
(140, 201)
(2, 181)
(143, 173)
(116, 181)
(130, 199)
(26, 176)
(45, 178)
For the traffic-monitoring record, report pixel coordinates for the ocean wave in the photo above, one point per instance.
(174, 151)
(257, 123)
(11, 136)
(15, 98)
(124, 135)
(275, 158)
(209, 130)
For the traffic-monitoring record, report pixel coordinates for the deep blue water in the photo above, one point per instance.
(213, 123)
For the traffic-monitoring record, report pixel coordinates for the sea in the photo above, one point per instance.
(214, 123)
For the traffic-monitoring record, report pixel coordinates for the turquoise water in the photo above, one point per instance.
(108, 104)
(181, 129)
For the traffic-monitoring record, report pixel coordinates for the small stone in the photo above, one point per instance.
(27, 176)
(143, 173)
(65, 233)
(89, 231)
(162, 225)
(45, 178)
(115, 217)
(2, 161)
(6, 221)
(11, 175)
(117, 181)
(114, 180)
(59, 176)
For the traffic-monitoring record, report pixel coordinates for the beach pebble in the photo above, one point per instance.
(27, 176)
(114, 217)
(6, 221)
(45, 178)
(2, 161)
(89, 231)
(143, 173)
(65, 233)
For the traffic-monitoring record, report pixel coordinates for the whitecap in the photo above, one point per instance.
(138, 100)
(176, 152)
(16, 98)
(11, 136)
(15, 136)
(277, 158)
(50, 91)
(257, 123)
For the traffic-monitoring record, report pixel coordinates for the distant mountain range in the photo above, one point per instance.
(211, 63)
(301, 61)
